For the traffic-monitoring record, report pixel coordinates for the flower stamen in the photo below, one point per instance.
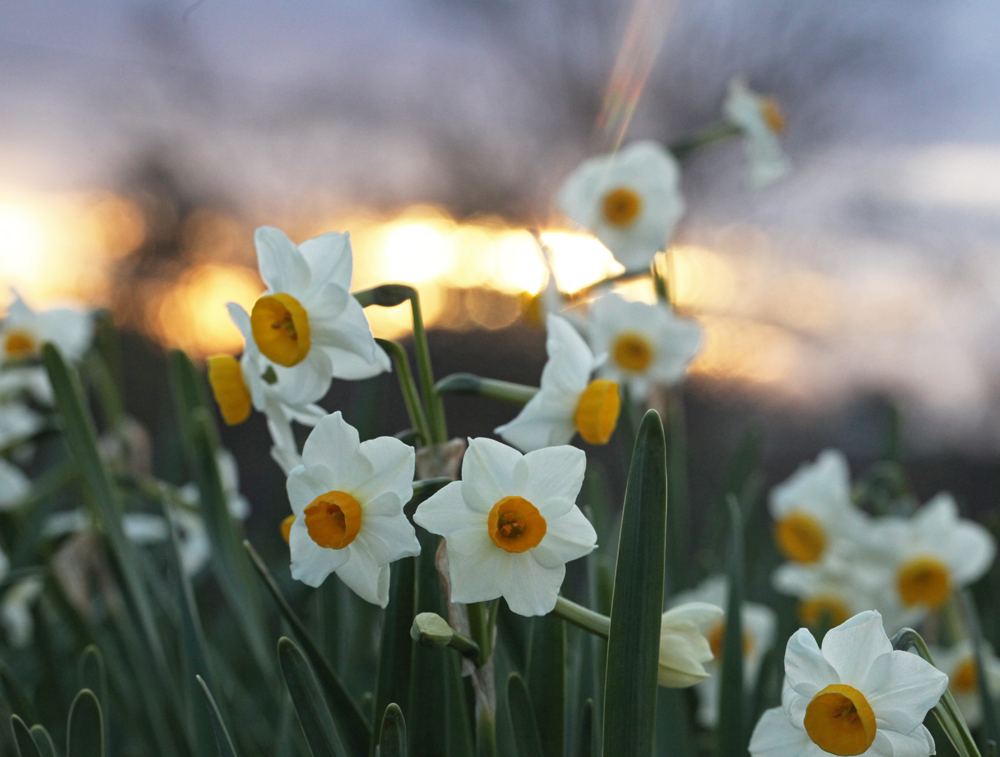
(823, 611)
(800, 537)
(621, 206)
(632, 352)
(924, 581)
(20, 345)
(515, 524)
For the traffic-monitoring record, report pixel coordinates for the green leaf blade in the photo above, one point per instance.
(547, 681)
(634, 640)
(310, 706)
(522, 718)
(732, 707)
(222, 739)
(392, 735)
(26, 746)
(85, 727)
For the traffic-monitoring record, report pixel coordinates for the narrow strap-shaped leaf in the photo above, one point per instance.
(102, 494)
(428, 713)
(91, 673)
(732, 709)
(85, 727)
(678, 525)
(43, 742)
(585, 742)
(396, 655)
(26, 746)
(991, 720)
(16, 697)
(351, 723)
(547, 681)
(392, 735)
(522, 718)
(222, 740)
(310, 706)
(230, 566)
(634, 640)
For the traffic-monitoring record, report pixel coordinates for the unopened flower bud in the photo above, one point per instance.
(431, 630)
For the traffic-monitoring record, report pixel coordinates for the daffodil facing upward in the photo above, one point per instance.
(347, 498)
(511, 524)
(307, 323)
(645, 344)
(813, 509)
(761, 121)
(854, 696)
(568, 401)
(630, 200)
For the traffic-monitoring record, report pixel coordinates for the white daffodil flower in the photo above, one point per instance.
(348, 498)
(24, 330)
(854, 696)
(14, 485)
(761, 121)
(759, 623)
(921, 560)
(568, 401)
(18, 380)
(15, 611)
(18, 423)
(813, 509)
(511, 524)
(645, 344)
(959, 663)
(684, 650)
(630, 200)
(306, 322)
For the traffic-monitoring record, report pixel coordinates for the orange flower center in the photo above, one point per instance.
(286, 528)
(231, 394)
(597, 411)
(632, 352)
(333, 519)
(516, 525)
(823, 611)
(717, 641)
(840, 721)
(621, 206)
(281, 329)
(774, 117)
(19, 345)
(800, 537)
(924, 581)
(965, 678)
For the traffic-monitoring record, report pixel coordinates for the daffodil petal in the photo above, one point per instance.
(776, 736)
(479, 576)
(311, 563)
(901, 688)
(488, 473)
(551, 478)
(532, 588)
(568, 537)
(393, 462)
(334, 444)
(280, 263)
(364, 575)
(447, 511)
(806, 666)
(539, 424)
(329, 258)
(916, 743)
(852, 647)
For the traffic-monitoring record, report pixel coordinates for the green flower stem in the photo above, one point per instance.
(580, 616)
(414, 407)
(390, 295)
(715, 133)
(467, 383)
(481, 624)
(946, 710)
(486, 733)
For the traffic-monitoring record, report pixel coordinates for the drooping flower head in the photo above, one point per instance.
(854, 696)
(761, 120)
(630, 200)
(813, 508)
(511, 524)
(684, 650)
(307, 323)
(347, 498)
(645, 344)
(568, 401)
(759, 623)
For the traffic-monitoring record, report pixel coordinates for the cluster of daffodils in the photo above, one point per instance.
(853, 695)
(843, 560)
(631, 199)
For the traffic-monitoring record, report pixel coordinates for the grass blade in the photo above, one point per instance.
(352, 725)
(26, 746)
(630, 687)
(392, 685)
(85, 727)
(392, 738)
(91, 673)
(585, 745)
(16, 697)
(222, 740)
(732, 709)
(522, 718)
(310, 706)
(547, 681)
